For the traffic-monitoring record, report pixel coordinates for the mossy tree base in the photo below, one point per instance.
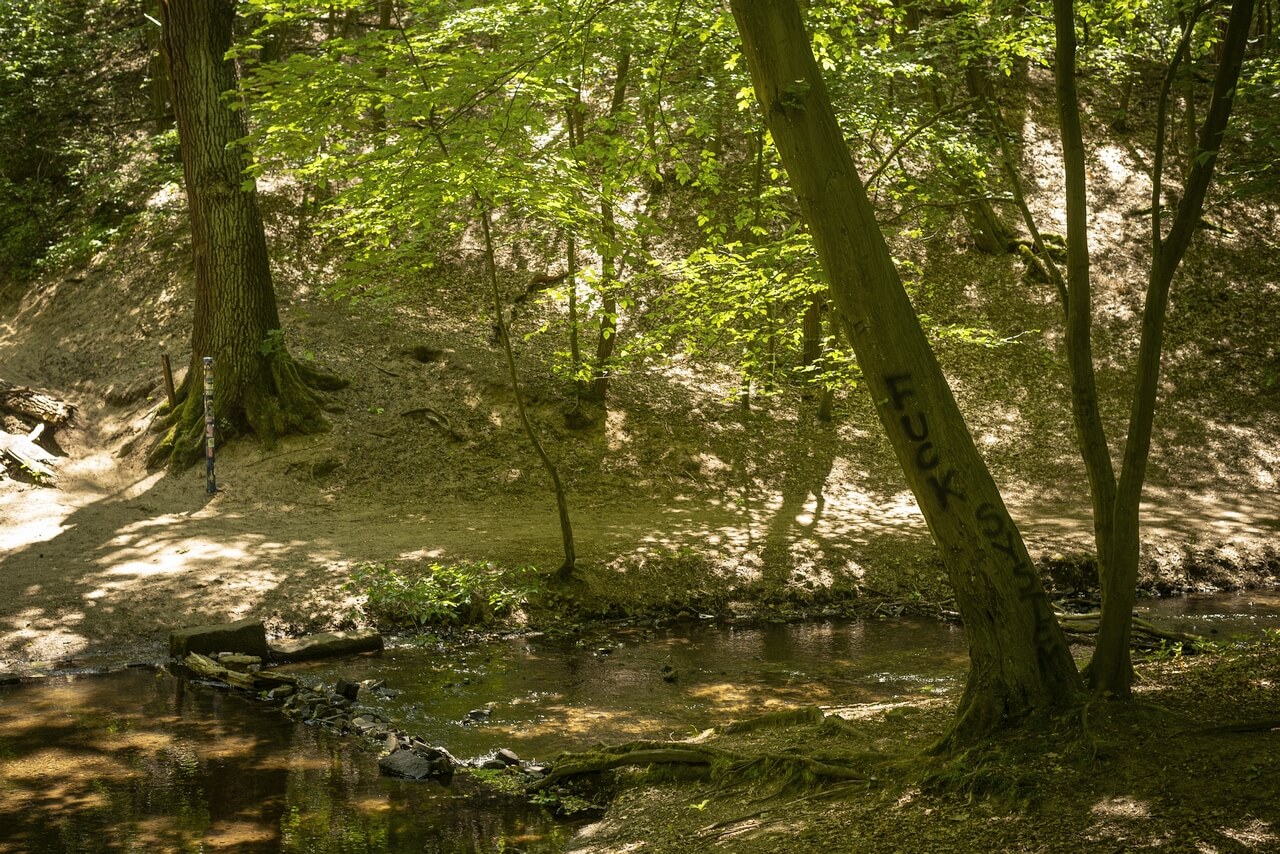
(283, 400)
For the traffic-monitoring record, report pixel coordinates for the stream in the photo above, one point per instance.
(138, 759)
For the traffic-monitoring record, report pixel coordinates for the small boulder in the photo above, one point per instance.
(507, 757)
(412, 765)
(350, 690)
(244, 636)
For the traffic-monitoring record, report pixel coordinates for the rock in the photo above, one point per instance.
(326, 645)
(281, 692)
(507, 757)
(536, 769)
(373, 685)
(494, 765)
(9, 679)
(350, 690)
(479, 714)
(245, 636)
(669, 673)
(392, 742)
(411, 765)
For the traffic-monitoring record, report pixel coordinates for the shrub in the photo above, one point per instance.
(427, 594)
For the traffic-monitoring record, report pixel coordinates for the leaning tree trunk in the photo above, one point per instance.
(1019, 657)
(259, 387)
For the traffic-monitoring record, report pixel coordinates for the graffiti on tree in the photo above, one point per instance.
(992, 520)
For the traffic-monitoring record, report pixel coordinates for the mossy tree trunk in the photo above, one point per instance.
(1020, 660)
(259, 387)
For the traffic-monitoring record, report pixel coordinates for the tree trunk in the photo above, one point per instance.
(1111, 670)
(1019, 657)
(1090, 433)
(157, 76)
(607, 342)
(989, 231)
(259, 387)
(811, 331)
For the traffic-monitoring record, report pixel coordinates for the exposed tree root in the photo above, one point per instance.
(284, 403)
(1266, 725)
(721, 762)
(1144, 632)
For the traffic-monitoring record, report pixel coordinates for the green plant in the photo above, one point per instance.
(420, 595)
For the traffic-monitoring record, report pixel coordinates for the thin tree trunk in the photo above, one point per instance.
(608, 339)
(573, 133)
(1090, 433)
(379, 113)
(562, 501)
(157, 75)
(1020, 661)
(1111, 670)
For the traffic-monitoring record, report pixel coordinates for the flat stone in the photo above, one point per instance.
(244, 636)
(507, 757)
(326, 645)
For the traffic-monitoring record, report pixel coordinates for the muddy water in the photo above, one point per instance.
(546, 696)
(136, 761)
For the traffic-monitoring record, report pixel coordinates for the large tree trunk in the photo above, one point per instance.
(258, 386)
(1019, 657)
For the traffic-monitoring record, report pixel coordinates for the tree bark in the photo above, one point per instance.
(259, 387)
(1111, 670)
(608, 340)
(1020, 662)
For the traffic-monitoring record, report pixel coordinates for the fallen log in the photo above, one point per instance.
(204, 666)
(25, 452)
(35, 404)
(647, 753)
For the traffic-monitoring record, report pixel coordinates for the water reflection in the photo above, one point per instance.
(1217, 615)
(136, 760)
(552, 695)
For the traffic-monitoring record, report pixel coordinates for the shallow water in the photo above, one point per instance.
(1216, 615)
(548, 695)
(136, 760)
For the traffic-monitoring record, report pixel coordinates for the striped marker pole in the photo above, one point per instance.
(210, 481)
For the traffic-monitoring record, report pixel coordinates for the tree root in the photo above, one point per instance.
(715, 759)
(284, 402)
(1087, 624)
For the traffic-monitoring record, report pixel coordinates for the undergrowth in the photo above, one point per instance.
(432, 594)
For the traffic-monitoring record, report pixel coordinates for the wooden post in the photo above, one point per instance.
(210, 480)
(168, 381)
